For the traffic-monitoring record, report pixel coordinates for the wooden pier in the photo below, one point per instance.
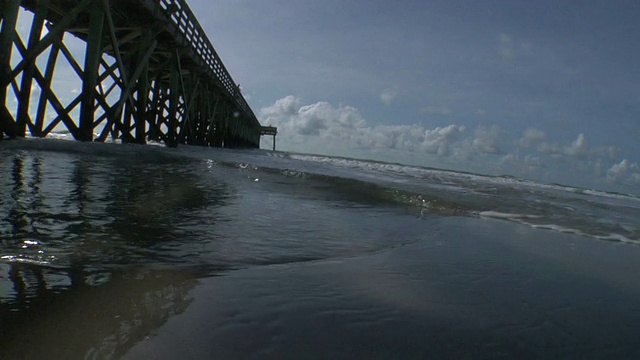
(148, 72)
(272, 131)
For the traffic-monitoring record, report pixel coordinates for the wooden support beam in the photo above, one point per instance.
(186, 126)
(57, 41)
(155, 113)
(212, 123)
(91, 67)
(55, 32)
(183, 96)
(7, 34)
(174, 97)
(126, 91)
(27, 76)
(142, 103)
(63, 113)
(42, 102)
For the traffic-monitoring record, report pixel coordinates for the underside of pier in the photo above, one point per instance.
(145, 71)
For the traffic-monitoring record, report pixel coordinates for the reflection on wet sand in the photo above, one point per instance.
(82, 272)
(85, 320)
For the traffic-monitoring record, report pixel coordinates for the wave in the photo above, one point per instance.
(456, 177)
(529, 220)
(416, 190)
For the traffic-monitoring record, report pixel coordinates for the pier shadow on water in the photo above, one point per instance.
(97, 251)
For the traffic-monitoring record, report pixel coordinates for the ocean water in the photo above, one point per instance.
(112, 251)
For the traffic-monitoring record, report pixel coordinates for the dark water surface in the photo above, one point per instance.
(114, 251)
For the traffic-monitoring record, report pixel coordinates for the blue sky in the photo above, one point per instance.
(545, 90)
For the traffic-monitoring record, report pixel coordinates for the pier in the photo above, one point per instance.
(148, 72)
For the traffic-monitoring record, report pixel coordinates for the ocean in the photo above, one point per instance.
(116, 251)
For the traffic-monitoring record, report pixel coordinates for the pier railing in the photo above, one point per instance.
(190, 30)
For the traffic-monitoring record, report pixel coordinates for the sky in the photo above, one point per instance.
(543, 90)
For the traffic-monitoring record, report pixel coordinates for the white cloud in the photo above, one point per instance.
(578, 147)
(324, 128)
(286, 106)
(505, 48)
(344, 126)
(624, 172)
(388, 96)
(532, 137)
(311, 119)
(486, 139)
(439, 140)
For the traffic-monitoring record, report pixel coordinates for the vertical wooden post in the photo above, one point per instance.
(142, 113)
(174, 97)
(157, 107)
(91, 67)
(212, 124)
(27, 76)
(7, 34)
(42, 102)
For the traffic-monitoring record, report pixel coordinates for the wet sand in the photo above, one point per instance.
(474, 288)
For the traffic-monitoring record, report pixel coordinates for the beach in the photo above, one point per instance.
(111, 251)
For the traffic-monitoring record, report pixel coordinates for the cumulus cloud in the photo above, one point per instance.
(486, 140)
(337, 125)
(312, 119)
(578, 147)
(388, 96)
(286, 106)
(341, 130)
(624, 172)
(438, 141)
(532, 137)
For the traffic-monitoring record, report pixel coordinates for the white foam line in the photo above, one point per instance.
(499, 215)
(553, 227)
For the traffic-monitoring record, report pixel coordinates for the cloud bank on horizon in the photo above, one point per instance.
(543, 90)
(323, 128)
